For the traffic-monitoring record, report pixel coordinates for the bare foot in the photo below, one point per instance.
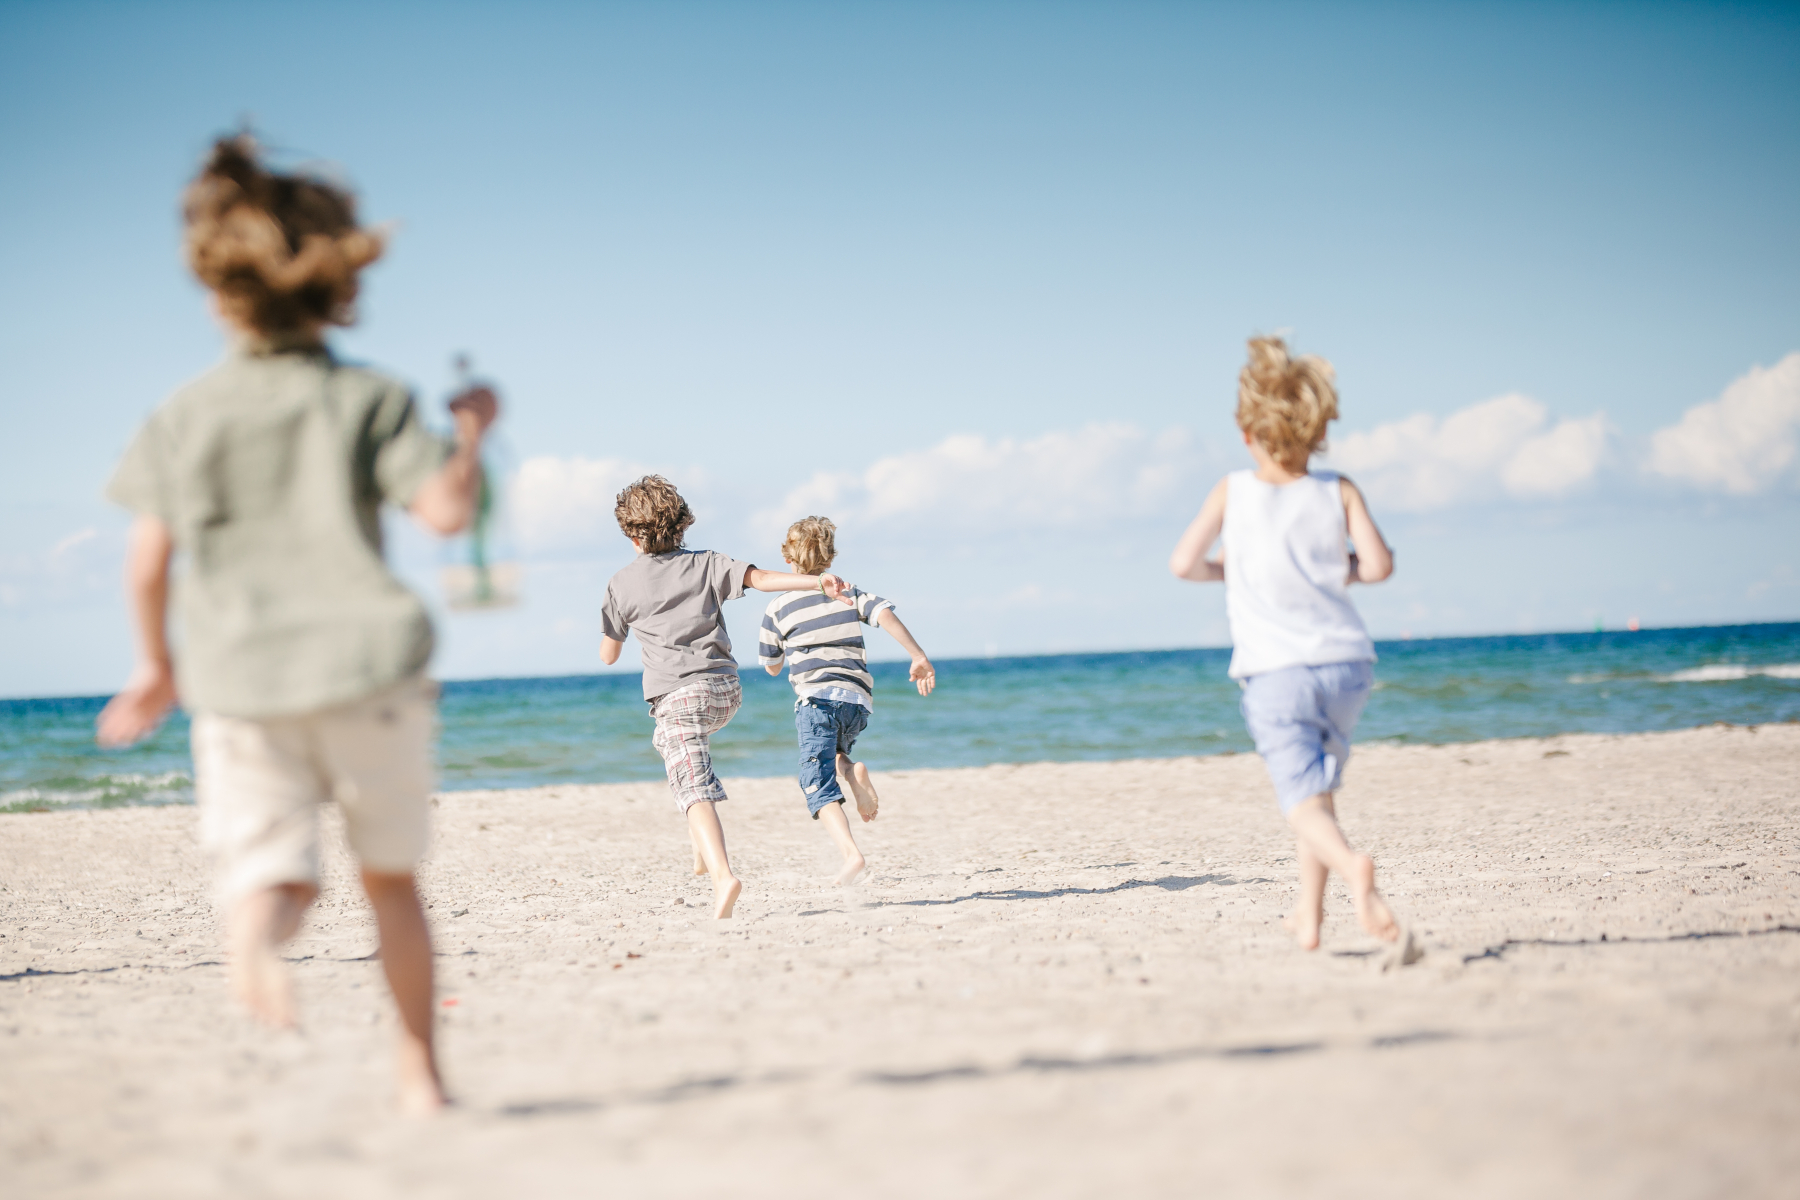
(260, 922)
(868, 804)
(259, 980)
(726, 891)
(419, 1091)
(1304, 925)
(1371, 909)
(853, 866)
(699, 863)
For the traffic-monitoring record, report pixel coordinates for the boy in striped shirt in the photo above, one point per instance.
(818, 639)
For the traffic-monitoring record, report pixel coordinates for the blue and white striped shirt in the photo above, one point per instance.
(824, 648)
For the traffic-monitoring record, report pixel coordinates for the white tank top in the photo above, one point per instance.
(1286, 561)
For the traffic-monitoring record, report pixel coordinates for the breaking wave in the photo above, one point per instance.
(100, 791)
(1711, 673)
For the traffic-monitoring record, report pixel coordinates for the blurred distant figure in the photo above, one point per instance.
(818, 640)
(301, 657)
(674, 600)
(1299, 648)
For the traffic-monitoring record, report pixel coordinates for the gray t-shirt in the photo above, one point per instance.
(675, 603)
(270, 471)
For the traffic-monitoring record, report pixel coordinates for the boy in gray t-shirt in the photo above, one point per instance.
(674, 600)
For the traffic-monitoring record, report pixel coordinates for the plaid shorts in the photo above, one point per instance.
(685, 719)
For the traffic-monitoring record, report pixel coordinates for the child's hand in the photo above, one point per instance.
(136, 711)
(474, 410)
(923, 675)
(835, 587)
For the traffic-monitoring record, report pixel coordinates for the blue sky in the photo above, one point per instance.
(974, 280)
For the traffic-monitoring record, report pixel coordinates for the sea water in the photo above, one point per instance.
(502, 733)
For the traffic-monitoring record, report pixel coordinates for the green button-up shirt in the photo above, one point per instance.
(270, 471)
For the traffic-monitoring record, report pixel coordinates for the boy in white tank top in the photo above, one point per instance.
(1299, 649)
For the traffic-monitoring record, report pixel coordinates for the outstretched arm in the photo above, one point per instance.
(1189, 559)
(150, 692)
(923, 674)
(1373, 560)
(446, 502)
(785, 581)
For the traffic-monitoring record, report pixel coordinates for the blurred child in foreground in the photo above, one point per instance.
(817, 639)
(674, 600)
(300, 656)
(1299, 648)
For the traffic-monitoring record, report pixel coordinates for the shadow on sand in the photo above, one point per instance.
(1499, 949)
(1168, 883)
(1026, 1065)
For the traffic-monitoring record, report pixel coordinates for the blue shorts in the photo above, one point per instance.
(1301, 719)
(827, 728)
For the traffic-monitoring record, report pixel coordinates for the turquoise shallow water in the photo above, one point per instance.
(593, 728)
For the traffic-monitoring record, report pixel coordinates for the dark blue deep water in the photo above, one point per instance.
(593, 728)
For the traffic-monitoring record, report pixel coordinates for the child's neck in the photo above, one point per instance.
(1270, 471)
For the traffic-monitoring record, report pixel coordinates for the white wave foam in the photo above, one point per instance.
(1711, 673)
(1728, 672)
(170, 787)
(1716, 673)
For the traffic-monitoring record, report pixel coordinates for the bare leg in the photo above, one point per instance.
(1309, 910)
(709, 836)
(699, 858)
(855, 776)
(838, 826)
(260, 922)
(1315, 820)
(406, 958)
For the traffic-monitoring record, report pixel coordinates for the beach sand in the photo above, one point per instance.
(1061, 980)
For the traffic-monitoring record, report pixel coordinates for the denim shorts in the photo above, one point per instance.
(1301, 719)
(827, 728)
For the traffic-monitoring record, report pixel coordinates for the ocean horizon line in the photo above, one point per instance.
(1057, 654)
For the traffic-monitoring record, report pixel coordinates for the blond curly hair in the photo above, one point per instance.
(1285, 403)
(653, 512)
(810, 545)
(281, 251)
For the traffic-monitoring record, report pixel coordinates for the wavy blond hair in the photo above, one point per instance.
(281, 251)
(811, 544)
(1285, 403)
(653, 512)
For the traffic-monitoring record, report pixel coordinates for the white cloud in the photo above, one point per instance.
(82, 564)
(1558, 461)
(74, 540)
(1506, 445)
(1063, 480)
(1092, 478)
(1740, 443)
(560, 503)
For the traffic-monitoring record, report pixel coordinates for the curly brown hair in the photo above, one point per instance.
(810, 545)
(281, 251)
(1285, 403)
(653, 512)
